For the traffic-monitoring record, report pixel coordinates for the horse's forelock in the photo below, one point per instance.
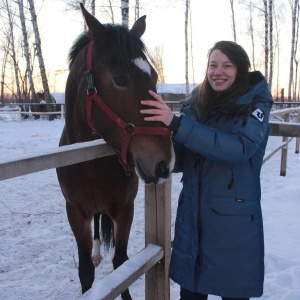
(122, 44)
(117, 41)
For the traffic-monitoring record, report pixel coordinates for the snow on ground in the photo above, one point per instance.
(38, 253)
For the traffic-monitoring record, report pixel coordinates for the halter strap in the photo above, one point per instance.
(129, 129)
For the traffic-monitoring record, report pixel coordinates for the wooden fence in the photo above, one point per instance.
(287, 130)
(155, 258)
(285, 104)
(18, 111)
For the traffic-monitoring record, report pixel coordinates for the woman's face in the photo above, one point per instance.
(221, 72)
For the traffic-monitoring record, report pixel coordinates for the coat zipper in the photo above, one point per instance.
(198, 163)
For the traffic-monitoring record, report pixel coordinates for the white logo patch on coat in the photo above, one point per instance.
(258, 114)
(143, 65)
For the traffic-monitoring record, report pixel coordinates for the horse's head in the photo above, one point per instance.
(40, 96)
(121, 78)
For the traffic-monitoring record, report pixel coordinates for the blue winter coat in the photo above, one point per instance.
(218, 245)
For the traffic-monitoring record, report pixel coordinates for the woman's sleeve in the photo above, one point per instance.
(178, 167)
(231, 147)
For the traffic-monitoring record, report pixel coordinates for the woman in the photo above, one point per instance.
(220, 141)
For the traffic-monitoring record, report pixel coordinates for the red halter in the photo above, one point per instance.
(129, 129)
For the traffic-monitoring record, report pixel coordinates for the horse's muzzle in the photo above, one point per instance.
(160, 173)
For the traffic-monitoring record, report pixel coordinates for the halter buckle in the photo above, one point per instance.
(129, 129)
(91, 91)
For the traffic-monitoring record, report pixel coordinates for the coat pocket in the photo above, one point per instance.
(233, 206)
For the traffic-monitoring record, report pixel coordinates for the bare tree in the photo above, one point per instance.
(191, 47)
(93, 7)
(187, 5)
(294, 7)
(251, 32)
(5, 45)
(107, 11)
(271, 57)
(278, 55)
(157, 60)
(111, 13)
(233, 20)
(13, 48)
(26, 48)
(137, 9)
(125, 13)
(265, 2)
(5, 51)
(38, 48)
(73, 5)
(296, 60)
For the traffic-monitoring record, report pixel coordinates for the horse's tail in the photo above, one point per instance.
(107, 232)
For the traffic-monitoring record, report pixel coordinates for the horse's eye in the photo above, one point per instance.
(120, 81)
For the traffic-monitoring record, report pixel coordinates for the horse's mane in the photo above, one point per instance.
(79, 43)
(122, 42)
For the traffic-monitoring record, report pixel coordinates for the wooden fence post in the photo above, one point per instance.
(284, 149)
(158, 231)
(281, 99)
(298, 138)
(62, 108)
(20, 115)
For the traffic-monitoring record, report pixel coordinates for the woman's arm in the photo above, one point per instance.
(232, 147)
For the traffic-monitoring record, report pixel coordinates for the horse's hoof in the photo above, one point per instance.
(125, 295)
(97, 260)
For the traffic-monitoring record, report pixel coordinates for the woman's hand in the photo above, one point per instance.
(159, 110)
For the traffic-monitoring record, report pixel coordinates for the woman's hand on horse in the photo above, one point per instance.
(159, 110)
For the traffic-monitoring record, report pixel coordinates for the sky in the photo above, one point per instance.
(211, 22)
(38, 253)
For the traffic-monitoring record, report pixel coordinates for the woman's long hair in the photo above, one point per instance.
(207, 97)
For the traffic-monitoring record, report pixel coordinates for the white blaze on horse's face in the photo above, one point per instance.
(143, 65)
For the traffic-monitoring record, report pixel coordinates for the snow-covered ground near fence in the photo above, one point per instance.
(38, 253)
(9, 112)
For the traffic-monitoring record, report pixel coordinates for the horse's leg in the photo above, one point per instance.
(122, 225)
(81, 227)
(96, 253)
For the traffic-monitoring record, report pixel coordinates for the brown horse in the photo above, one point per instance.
(41, 105)
(109, 75)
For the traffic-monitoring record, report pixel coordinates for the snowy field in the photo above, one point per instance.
(38, 253)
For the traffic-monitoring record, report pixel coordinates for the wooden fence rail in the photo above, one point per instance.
(115, 283)
(54, 158)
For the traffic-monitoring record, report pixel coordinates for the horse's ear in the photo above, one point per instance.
(92, 23)
(139, 27)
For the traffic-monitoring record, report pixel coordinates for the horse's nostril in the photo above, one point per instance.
(162, 170)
